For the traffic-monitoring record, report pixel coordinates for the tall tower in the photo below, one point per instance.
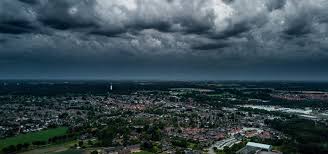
(111, 87)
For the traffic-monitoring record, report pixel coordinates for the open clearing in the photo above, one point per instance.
(43, 135)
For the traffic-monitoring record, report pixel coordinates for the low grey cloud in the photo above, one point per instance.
(209, 37)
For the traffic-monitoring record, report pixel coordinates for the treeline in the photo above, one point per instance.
(205, 99)
(53, 88)
(16, 148)
(309, 137)
(34, 144)
(62, 138)
(243, 96)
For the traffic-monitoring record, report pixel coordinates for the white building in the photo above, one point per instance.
(257, 148)
(260, 146)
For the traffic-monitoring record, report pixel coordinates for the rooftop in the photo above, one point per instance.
(259, 145)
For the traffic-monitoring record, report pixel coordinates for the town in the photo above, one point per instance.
(159, 117)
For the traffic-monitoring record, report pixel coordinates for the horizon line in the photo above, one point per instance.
(160, 80)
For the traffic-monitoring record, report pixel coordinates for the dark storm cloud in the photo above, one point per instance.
(211, 46)
(62, 15)
(32, 2)
(277, 4)
(107, 32)
(16, 18)
(16, 27)
(207, 36)
(297, 28)
(3, 40)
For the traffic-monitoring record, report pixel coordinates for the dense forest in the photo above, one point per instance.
(308, 137)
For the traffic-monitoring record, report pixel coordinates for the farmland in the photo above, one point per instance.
(31, 137)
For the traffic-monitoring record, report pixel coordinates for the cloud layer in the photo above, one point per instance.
(215, 39)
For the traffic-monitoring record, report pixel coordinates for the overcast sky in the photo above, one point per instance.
(164, 39)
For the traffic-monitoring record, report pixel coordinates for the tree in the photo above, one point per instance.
(179, 151)
(80, 143)
(147, 146)
(226, 149)
(180, 142)
(19, 147)
(26, 145)
(90, 142)
(94, 152)
(63, 115)
(5, 150)
(11, 148)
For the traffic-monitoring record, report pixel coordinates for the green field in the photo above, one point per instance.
(52, 149)
(215, 95)
(35, 136)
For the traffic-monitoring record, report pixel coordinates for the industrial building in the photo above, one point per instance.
(257, 148)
